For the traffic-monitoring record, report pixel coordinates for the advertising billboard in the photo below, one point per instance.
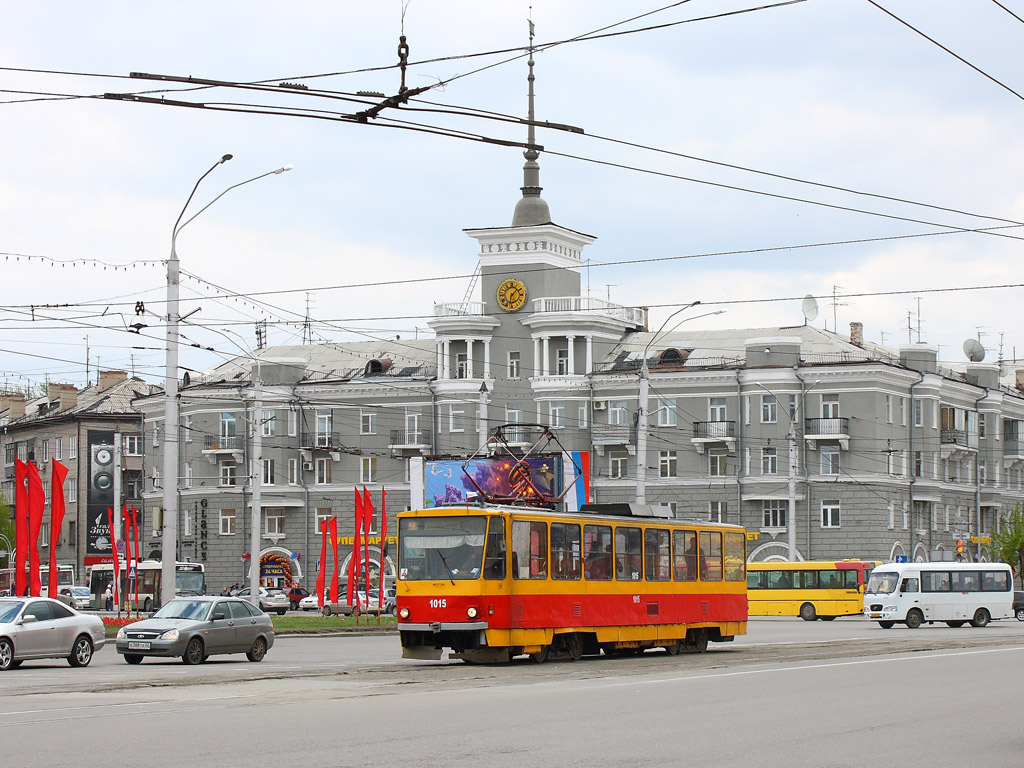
(99, 545)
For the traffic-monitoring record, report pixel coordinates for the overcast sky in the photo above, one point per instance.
(836, 92)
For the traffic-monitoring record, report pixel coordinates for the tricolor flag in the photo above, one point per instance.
(576, 477)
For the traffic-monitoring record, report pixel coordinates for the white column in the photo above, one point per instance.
(572, 355)
(440, 359)
(536, 357)
(590, 354)
(487, 358)
(447, 354)
(469, 358)
(545, 354)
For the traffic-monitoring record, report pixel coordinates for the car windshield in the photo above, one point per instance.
(441, 547)
(882, 583)
(8, 610)
(183, 609)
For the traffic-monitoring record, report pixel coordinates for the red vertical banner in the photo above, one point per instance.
(323, 565)
(333, 528)
(20, 528)
(36, 507)
(117, 561)
(368, 511)
(135, 528)
(58, 473)
(353, 562)
(383, 547)
(127, 530)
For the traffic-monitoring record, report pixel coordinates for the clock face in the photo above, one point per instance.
(511, 295)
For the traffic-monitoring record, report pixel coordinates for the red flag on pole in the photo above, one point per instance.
(383, 547)
(323, 564)
(353, 563)
(127, 529)
(36, 507)
(367, 526)
(135, 528)
(20, 528)
(117, 562)
(333, 527)
(58, 473)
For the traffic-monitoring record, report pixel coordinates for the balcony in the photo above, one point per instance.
(322, 440)
(956, 443)
(1013, 452)
(828, 430)
(409, 440)
(614, 434)
(459, 309)
(217, 446)
(634, 317)
(705, 432)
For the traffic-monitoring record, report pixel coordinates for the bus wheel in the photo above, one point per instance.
(955, 624)
(914, 618)
(981, 618)
(148, 605)
(827, 618)
(886, 624)
(807, 612)
(1020, 614)
(541, 656)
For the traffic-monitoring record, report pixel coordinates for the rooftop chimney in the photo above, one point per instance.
(857, 334)
(110, 378)
(68, 396)
(16, 406)
(1020, 378)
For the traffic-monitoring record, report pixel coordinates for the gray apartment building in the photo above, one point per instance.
(822, 445)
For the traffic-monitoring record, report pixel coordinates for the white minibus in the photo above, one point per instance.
(956, 593)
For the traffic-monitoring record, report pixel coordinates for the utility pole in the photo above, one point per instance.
(256, 473)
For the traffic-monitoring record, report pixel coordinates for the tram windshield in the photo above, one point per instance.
(882, 583)
(441, 548)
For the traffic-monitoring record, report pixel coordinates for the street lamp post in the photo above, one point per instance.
(171, 457)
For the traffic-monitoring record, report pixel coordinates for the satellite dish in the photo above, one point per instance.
(809, 307)
(974, 351)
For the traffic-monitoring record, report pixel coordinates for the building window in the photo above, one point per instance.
(716, 409)
(45, 451)
(227, 473)
(461, 365)
(227, 522)
(892, 515)
(73, 447)
(581, 414)
(769, 409)
(268, 472)
(903, 411)
(794, 411)
(324, 425)
(514, 415)
(269, 425)
(71, 492)
(666, 464)
(982, 422)
(293, 422)
(323, 471)
(919, 413)
(186, 520)
(514, 370)
(367, 422)
(156, 437)
(156, 479)
(133, 445)
(188, 474)
(717, 511)
(774, 513)
(918, 463)
(830, 460)
(982, 473)
(10, 453)
(58, 451)
(556, 413)
(769, 461)
(293, 471)
(44, 535)
(667, 412)
(188, 429)
(562, 362)
(228, 429)
(830, 406)
(617, 412)
(830, 514)
(456, 417)
(888, 409)
(275, 522)
(618, 463)
(323, 514)
(717, 462)
(368, 469)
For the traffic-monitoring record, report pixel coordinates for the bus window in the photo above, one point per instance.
(965, 581)
(529, 550)
(735, 556)
(656, 554)
(565, 551)
(935, 581)
(597, 552)
(684, 555)
(629, 554)
(995, 581)
(711, 555)
(805, 579)
(780, 579)
(756, 579)
(494, 559)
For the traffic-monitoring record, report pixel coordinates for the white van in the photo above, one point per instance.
(911, 593)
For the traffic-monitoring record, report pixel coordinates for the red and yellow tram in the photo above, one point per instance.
(494, 582)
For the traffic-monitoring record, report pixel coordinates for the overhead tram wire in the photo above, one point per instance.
(1018, 18)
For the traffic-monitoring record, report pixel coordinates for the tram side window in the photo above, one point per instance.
(711, 555)
(935, 581)
(494, 560)
(656, 554)
(735, 556)
(629, 554)
(597, 552)
(529, 550)
(565, 551)
(684, 555)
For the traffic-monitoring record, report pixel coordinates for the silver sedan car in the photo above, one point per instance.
(195, 628)
(41, 628)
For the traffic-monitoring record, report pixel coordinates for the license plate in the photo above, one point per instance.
(138, 646)
(876, 615)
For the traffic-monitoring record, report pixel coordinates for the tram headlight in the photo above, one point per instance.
(403, 613)
(471, 612)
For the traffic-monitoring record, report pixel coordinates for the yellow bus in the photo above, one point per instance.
(815, 589)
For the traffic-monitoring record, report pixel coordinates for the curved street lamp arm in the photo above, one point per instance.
(174, 231)
(218, 197)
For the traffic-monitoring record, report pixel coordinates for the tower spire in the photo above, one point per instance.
(531, 208)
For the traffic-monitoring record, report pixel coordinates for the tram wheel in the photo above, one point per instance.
(699, 642)
(541, 656)
(574, 645)
(673, 648)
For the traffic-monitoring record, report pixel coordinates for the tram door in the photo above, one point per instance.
(496, 570)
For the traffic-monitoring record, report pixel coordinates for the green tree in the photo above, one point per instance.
(1008, 544)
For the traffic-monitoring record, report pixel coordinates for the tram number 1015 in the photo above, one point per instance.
(438, 602)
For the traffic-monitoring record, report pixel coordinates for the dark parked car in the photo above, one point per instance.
(295, 594)
(195, 628)
(1018, 605)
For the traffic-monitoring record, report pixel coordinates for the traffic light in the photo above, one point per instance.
(959, 546)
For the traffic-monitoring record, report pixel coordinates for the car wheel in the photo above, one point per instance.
(258, 650)
(6, 655)
(914, 618)
(327, 609)
(1020, 614)
(133, 658)
(193, 652)
(281, 612)
(807, 612)
(394, 611)
(981, 618)
(293, 605)
(81, 652)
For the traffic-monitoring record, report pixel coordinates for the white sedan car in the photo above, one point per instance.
(41, 628)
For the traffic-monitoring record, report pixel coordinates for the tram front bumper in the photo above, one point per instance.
(443, 626)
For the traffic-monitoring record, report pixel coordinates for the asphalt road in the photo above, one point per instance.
(790, 693)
